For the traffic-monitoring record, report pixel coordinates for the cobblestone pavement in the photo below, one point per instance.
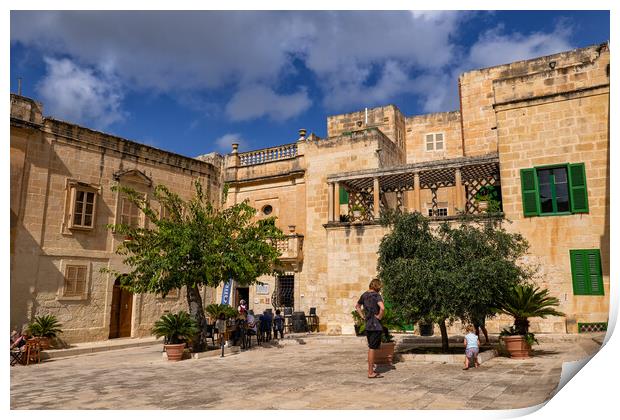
(320, 374)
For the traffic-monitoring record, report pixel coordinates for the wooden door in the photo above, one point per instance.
(120, 315)
(124, 324)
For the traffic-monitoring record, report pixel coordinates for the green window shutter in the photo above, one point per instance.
(529, 192)
(579, 272)
(595, 275)
(578, 188)
(344, 196)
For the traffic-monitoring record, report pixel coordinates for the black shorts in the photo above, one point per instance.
(374, 339)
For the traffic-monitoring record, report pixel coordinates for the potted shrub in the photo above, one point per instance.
(487, 199)
(523, 302)
(358, 211)
(176, 330)
(44, 327)
(390, 322)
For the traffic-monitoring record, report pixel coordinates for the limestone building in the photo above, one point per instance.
(61, 201)
(534, 132)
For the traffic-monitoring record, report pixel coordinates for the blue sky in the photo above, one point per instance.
(194, 82)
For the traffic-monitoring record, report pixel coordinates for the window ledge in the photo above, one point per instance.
(72, 298)
(82, 228)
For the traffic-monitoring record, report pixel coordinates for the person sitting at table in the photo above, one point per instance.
(250, 327)
(19, 340)
(265, 325)
(239, 331)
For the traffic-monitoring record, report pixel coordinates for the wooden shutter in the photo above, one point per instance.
(578, 189)
(344, 196)
(579, 272)
(529, 192)
(595, 275)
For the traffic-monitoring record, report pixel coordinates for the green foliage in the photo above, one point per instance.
(389, 322)
(176, 328)
(357, 319)
(214, 310)
(526, 301)
(196, 244)
(45, 326)
(357, 207)
(447, 273)
(491, 195)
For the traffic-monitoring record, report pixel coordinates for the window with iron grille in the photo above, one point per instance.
(440, 212)
(286, 291)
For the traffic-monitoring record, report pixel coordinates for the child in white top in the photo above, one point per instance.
(472, 347)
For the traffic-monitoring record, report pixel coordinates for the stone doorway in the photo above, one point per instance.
(120, 316)
(242, 293)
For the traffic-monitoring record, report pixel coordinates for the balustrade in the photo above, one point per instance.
(271, 154)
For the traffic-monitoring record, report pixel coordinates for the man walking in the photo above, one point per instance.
(372, 302)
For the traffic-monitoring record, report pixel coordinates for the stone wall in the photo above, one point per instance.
(388, 119)
(562, 118)
(447, 123)
(330, 156)
(477, 97)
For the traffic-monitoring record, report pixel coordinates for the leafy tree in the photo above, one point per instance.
(196, 244)
(447, 273)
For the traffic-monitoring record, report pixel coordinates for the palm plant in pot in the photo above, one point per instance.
(45, 327)
(390, 322)
(522, 302)
(176, 330)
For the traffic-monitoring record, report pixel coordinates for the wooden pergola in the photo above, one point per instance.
(367, 188)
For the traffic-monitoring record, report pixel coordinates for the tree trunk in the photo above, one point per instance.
(522, 325)
(444, 336)
(196, 311)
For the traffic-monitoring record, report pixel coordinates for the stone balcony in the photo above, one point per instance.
(291, 248)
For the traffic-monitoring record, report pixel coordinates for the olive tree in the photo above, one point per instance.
(444, 273)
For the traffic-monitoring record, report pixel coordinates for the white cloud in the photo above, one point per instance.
(356, 58)
(78, 94)
(494, 47)
(439, 91)
(176, 51)
(224, 143)
(260, 101)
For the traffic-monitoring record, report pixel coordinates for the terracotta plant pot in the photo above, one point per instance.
(385, 354)
(517, 347)
(44, 342)
(174, 351)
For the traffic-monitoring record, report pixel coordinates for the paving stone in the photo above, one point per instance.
(318, 375)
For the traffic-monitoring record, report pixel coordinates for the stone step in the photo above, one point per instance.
(95, 347)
